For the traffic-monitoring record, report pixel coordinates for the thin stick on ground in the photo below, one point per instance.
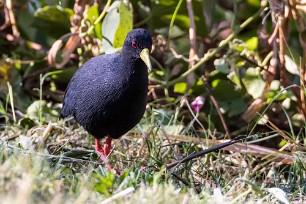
(184, 181)
(201, 153)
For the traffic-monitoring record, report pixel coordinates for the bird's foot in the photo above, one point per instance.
(107, 146)
(101, 154)
(104, 152)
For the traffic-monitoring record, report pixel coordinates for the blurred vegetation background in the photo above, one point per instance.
(220, 68)
(246, 55)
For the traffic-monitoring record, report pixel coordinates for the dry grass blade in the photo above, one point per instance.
(281, 133)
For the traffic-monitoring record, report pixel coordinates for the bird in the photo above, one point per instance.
(107, 96)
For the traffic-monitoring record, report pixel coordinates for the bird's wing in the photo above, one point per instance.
(69, 98)
(91, 88)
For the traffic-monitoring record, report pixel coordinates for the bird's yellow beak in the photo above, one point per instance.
(144, 55)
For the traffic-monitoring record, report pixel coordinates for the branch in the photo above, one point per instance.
(192, 39)
(9, 5)
(201, 153)
(192, 34)
(211, 54)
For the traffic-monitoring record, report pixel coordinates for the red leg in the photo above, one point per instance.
(103, 153)
(100, 150)
(107, 146)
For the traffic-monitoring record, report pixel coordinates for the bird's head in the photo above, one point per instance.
(138, 43)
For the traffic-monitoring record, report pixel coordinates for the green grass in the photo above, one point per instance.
(44, 160)
(56, 163)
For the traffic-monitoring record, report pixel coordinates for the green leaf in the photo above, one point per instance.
(253, 82)
(160, 72)
(252, 43)
(26, 123)
(105, 184)
(123, 176)
(222, 65)
(270, 96)
(116, 25)
(166, 12)
(173, 129)
(92, 15)
(65, 75)
(180, 87)
(234, 106)
(275, 85)
(3, 112)
(291, 65)
(49, 21)
(224, 90)
(56, 14)
(234, 77)
(255, 3)
(48, 112)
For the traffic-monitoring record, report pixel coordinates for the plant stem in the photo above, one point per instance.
(211, 54)
(98, 19)
(212, 98)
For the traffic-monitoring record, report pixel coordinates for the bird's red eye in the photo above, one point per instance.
(134, 45)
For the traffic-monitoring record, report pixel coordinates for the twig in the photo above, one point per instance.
(184, 181)
(281, 39)
(212, 98)
(299, 19)
(192, 39)
(302, 88)
(192, 33)
(97, 20)
(211, 54)
(9, 137)
(9, 5)
(179, 56)
(46, 133)
(243, 148)
(201, 153)
(274, 34)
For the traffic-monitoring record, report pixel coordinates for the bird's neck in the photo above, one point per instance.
(131, 62)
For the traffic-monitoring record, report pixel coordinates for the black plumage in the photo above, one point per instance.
(108, 94)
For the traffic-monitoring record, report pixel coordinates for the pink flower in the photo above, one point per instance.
(198, 103)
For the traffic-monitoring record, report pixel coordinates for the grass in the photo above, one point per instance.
(55, 163)
(43, 160)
